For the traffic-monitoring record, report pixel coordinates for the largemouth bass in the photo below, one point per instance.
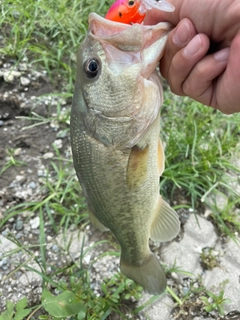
(118, 155)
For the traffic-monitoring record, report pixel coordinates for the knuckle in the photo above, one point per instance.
(194, 81)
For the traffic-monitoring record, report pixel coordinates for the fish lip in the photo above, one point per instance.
(102, 28)
(148, 40)
(95, 18)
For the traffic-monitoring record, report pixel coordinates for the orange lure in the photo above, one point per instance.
(134, 11)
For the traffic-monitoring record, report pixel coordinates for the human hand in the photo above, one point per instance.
(212, 79)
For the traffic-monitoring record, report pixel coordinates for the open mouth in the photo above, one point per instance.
(143, 41)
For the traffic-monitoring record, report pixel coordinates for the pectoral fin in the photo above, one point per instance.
(96, 223)
(165, 225)
(137, 166)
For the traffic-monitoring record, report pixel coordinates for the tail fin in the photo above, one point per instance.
(149, 275)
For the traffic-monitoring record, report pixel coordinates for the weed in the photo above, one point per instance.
(197, 298)
(214, 302)
(209, 258)
(227, 219)
(176, 269)
(11, 160)
(187, 298)
(17, 312)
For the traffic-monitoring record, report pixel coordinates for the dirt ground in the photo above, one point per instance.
(26, 147)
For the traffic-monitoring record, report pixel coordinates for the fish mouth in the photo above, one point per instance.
(145, 42)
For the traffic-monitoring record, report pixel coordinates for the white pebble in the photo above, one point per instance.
(58, 143)
(48, 155)
(35, 222)
(24, 81)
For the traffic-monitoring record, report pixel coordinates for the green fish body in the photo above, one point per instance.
(118, 155)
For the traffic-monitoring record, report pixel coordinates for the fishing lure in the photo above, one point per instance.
(134, 11)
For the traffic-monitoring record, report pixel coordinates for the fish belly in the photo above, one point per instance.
(121, 187)
(122, 191)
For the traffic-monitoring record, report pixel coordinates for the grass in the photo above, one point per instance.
(47, 33)
(201, 144)
(200, 159)
(201, 147)
(11, 160)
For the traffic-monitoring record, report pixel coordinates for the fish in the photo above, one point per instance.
(117, 152)
(134, 11)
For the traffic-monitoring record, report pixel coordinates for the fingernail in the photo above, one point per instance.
(221, 55)
(181, 34)
(194, 45)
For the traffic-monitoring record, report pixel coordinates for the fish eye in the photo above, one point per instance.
(91, 67)
(131, 3)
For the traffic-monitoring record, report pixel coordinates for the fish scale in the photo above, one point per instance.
(110, 94)
(104, 193)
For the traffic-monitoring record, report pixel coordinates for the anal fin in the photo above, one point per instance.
(96, 223)
(165, 225)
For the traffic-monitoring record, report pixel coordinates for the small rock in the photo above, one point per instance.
(185, 290)
(32, 185)
(17, 151)
(24, 193)
(35, 222)
(29, 277)
(5, 246)
(72, 241)
(174, 275)
(233, 182)
(42, 172)
(13, 184)
(87, 259)
(62, 134)
(24, 81)
(48, 155)
(58, 143)
(19, 224)
(19, 235)
(218, 200)
(10, 75)
(21, 179)
(55, 248)
(159, 309)
(23, 66)
(232, 250)
(3, 261)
